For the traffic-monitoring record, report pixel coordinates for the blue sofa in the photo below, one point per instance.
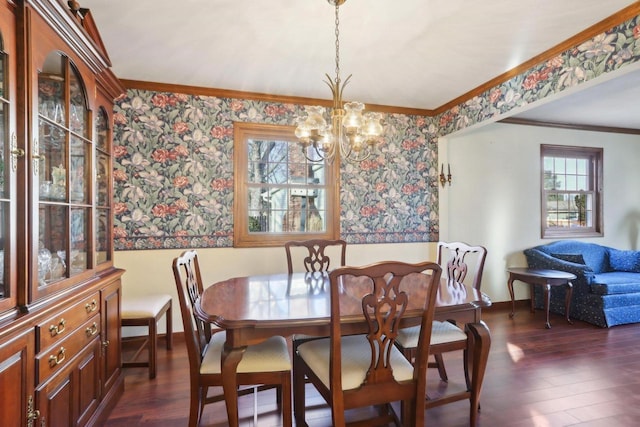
(606, 291)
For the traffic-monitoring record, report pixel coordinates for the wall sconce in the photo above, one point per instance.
(445, 178)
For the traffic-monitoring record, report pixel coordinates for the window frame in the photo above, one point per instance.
(242, 238)
(594, 155)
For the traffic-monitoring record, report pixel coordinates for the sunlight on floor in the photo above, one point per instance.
(515, 352)
(539, 420)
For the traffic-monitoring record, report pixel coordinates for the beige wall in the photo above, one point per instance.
(149, 272)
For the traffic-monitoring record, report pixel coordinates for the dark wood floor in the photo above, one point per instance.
(570, 375)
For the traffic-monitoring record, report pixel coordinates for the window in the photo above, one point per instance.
(279, 194)
(571, 191)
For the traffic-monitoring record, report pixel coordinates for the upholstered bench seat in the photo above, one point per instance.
(147, 311)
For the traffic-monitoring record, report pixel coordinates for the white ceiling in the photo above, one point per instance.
(409, 53)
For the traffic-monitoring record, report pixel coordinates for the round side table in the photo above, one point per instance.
(545, 278)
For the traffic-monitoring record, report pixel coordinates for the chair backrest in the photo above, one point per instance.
(455, 261)
(315, 256)
(197, 333)
(383, 292)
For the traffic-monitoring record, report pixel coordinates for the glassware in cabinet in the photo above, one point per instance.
(64, 159)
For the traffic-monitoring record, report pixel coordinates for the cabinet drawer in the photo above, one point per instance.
(54, 358)
(64, 323)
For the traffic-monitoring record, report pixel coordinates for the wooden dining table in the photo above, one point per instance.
(251, 309)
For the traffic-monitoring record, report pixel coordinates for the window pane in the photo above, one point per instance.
(549, 180)
(582, 166)
(558, 165)
(581, 183)
(318, 173)
(588, 212)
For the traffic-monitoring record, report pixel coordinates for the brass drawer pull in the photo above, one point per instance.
(91, 306)
(55, 360)
(57, 329)
(92, 330)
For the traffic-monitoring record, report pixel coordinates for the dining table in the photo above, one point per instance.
(252, 309)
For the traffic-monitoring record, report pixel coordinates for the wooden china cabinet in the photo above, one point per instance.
(59, 289)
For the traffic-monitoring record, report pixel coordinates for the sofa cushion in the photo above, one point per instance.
(624, 260)
(615, 282)
(595, 256)
(576, 258)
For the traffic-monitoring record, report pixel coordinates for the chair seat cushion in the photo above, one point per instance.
(441, 332)
(143, 307)
(271, 355)
(356, 357)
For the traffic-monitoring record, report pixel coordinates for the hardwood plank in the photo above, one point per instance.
(570, 375)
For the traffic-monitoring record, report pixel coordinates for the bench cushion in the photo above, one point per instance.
(143, 307)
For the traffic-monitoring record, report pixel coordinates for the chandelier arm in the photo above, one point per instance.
(309, 158)
(327, 156)
(341, 90)
(358, 159)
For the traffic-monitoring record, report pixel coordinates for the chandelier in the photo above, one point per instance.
(352, 133)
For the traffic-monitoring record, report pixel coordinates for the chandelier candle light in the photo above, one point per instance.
(351, 133)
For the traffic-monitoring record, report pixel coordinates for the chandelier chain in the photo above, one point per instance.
(337, 45)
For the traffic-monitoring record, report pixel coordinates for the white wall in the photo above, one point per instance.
(149, 272)
(494, 199)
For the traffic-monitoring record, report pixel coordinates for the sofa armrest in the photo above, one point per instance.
(542, 260)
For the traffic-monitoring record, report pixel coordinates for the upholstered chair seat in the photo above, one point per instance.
(271, 355)
(356, 359)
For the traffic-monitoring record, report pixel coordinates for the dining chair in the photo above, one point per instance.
(360, 370)
(314, 254)
(267, 363)
(461, 259)
(455, 258)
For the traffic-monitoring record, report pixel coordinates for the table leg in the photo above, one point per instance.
(229, 365)
(547, 301)
(533, 297)
(513, 300)
(567, 301)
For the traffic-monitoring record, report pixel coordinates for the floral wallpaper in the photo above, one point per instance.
(174, 155)
(602, 54)
(174, 174)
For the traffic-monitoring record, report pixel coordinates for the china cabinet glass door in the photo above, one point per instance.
(8, 162)
(103, 186)
(62, 166)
